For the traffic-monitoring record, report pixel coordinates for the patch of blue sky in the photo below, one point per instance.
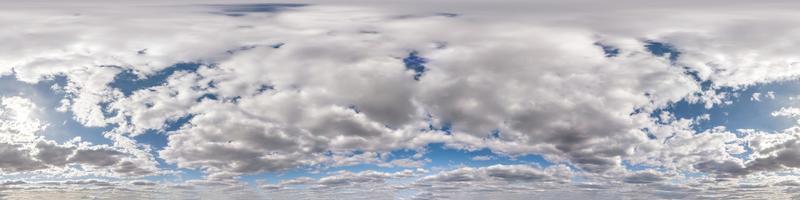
(445, 127)
(671, 52)
(278, 45)
(128, 81)
(744, 112)
(608, 50)
(494, 134)
(440, 156)
(61, 125)
(746, 154)
(182, 174)
(239, 10)
(640, 167)
(443, 156)
(258, 7)
(210, 96)
(416, 63)
(157, 139)
(662, 49)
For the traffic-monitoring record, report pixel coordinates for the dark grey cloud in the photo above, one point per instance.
(777, 155)
(792, 183)
(458, 175)
(505, 173)
(99, 157)
(130, 168)
(346, 178)
(143, 183)
(51, 153)
(13, 158)
(643, 178)
(785, 155)
(515, 174)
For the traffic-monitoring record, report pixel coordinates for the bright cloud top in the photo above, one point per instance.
(425, 100)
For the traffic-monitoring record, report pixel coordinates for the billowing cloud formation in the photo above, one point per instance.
(227, 94)
(23, 148)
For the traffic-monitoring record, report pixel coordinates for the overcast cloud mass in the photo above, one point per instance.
(438, 99)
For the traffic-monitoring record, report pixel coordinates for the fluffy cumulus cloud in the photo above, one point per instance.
(25, 150)
(402, 100)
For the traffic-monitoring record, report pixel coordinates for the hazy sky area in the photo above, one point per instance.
(442, 99)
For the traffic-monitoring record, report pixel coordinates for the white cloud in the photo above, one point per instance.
(336, 93)
(756, 97)
(482, 158)
(787, 112)
(644, 178)
(305, 114)
(25, 150)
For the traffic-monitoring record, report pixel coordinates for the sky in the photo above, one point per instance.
(350, 99)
